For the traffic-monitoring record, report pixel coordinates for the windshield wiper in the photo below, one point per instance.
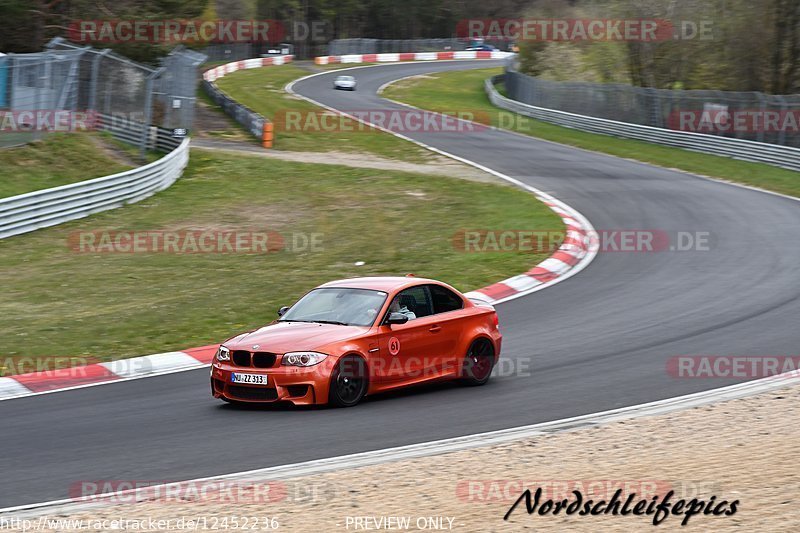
(317, 322)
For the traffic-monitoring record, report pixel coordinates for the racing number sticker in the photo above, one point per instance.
(394, 346)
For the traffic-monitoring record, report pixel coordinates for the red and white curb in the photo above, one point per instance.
(216, 73)
(77, 377)
(580, 243)
(575, 253)
(412, 56)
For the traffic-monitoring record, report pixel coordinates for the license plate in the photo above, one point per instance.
(249, 379)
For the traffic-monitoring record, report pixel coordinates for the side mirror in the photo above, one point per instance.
(282, 310)
(396, 318)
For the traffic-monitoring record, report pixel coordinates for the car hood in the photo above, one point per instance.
(282, 337)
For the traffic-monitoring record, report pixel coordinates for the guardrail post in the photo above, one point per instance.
(267, 134)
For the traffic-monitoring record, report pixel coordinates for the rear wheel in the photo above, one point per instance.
(478, 363)
(348, 382)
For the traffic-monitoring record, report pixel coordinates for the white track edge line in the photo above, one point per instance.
(110, 381)
(437, 447)
(482, 439)
(541, 195)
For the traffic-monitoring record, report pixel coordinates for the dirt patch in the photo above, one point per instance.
(265, 216)
(112, 152)
(412, 81)
(211, 122)
(310, 66)
(438, 165)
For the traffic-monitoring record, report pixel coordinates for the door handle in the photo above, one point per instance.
(435, 329)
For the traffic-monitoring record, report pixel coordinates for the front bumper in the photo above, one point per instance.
(298, 385)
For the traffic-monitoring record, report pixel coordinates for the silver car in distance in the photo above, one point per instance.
(346, 83)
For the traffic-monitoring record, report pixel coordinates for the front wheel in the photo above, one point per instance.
(478, 363)
(348, 382)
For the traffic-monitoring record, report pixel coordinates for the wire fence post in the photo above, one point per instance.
(762, 107)
(148, 112)
(92, 103)
(784, 109)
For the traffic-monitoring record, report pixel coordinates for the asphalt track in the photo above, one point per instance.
(596, 341)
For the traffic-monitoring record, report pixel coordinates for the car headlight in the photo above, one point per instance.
(223, 354)
(302, 358)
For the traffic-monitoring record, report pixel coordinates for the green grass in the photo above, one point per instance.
(451, 91)
(58, 302)
(262, 91)
(58, 159)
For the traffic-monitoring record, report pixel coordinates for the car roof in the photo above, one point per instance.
(380, 283)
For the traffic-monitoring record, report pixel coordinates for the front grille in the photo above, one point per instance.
(240, 358)
(253, 393)
(263, 359)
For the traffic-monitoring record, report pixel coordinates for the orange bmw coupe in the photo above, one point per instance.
(349, 338)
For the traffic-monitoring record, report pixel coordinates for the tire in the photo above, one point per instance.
(349, 382)
(478, 363)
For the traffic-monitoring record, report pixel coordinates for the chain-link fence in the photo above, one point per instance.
(340, 47)
(227, 52)
(110, 92)
(175, 89)
(33, 83)
(752, 116)
(224, 52)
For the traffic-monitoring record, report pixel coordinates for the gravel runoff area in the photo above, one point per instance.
(743, 450)
(438, 165)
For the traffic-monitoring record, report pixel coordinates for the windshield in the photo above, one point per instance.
(345, 78)
(348, 307)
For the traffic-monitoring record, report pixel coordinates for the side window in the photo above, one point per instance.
(415, 302)
(444, 299)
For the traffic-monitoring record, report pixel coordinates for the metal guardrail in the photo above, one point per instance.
(48, 207)
(753, 151)
(258, 126)
(246, 117)
(748, 115)
(137, 133)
